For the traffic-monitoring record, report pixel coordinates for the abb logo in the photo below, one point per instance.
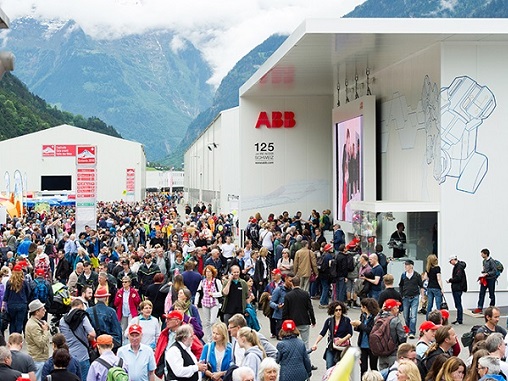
(279, 119)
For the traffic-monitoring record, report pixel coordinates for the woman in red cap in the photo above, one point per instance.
(17, 295)
(292, 355)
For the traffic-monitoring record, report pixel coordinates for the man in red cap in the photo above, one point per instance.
(139, 356)
(395, 329)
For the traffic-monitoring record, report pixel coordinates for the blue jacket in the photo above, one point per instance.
(227, 360)
(108, 322)
(293, 359)
(278, 298)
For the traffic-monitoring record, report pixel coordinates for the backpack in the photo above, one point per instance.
(115, 372)
(40, 291)
(320, 261)
(333, 268)
(254, 233)
(386, 372)
(499, 268)
(350, 262)
(467, 338)
(380, 339)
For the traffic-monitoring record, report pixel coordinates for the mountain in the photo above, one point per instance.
(431, 8)
(22, 112)
(147, 86)
(226, 95)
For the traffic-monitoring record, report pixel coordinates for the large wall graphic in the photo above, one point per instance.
(450, 118)
(464, 106)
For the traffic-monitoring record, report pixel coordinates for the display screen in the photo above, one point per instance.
(349, 165)
(56, 183)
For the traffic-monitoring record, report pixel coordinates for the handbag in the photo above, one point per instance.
(342, 346)
(444, 304)
(5, 319)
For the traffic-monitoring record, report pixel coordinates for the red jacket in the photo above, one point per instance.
(134, 301)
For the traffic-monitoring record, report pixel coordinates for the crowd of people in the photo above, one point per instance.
(150, 292)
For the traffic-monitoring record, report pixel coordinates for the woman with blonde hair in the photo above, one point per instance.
(453, 369)
(435, 286)
(16, 298)
(408, 371)
(248, 339)
(218, 354)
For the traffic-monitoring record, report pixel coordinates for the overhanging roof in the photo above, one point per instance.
(4, 20)
(309, 60)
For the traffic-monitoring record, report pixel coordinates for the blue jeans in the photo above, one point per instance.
(85, 367)
(410, 311)
(313, 288)
(17, 314)
(434, 293)
(38, 369)
(341, 289)
(330, 358)
(325, 288)
(491, 286)
(457, 299)
(374, 294)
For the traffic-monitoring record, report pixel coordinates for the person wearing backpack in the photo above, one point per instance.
(406, 352)
(108, 366)
(446, 338)
(387, 334)
(487, 280)
(42, 290)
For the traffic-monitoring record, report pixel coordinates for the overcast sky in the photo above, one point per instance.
(224, 30)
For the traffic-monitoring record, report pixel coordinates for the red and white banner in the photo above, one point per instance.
(130, 184)
(86, 155)
(86, 187)
(58, 150)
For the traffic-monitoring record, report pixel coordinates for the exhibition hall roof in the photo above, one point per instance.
(321, 50)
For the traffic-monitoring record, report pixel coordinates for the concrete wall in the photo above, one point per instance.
(297, 174)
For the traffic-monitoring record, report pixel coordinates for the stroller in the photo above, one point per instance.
(60, 306)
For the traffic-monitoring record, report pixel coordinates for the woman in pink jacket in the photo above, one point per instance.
(127, 301)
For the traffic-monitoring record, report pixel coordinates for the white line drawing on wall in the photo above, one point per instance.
(464, 106)
(450, 117)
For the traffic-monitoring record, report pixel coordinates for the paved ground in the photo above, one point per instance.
(321, 315)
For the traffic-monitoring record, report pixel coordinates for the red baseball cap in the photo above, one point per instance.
(288, 325)
(328, 247)
(428, 325)
(40, 272)
(276, 271)
(174, 315)
(135, 328)
(390, 303)
(445, 314)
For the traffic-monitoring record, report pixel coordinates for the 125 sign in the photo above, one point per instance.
(264, 147)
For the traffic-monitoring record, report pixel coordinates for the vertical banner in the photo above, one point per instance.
(130, 184)
(86, 187)
(7, 180)
(18, 192)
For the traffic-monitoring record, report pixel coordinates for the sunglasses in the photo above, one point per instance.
(338, 309)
